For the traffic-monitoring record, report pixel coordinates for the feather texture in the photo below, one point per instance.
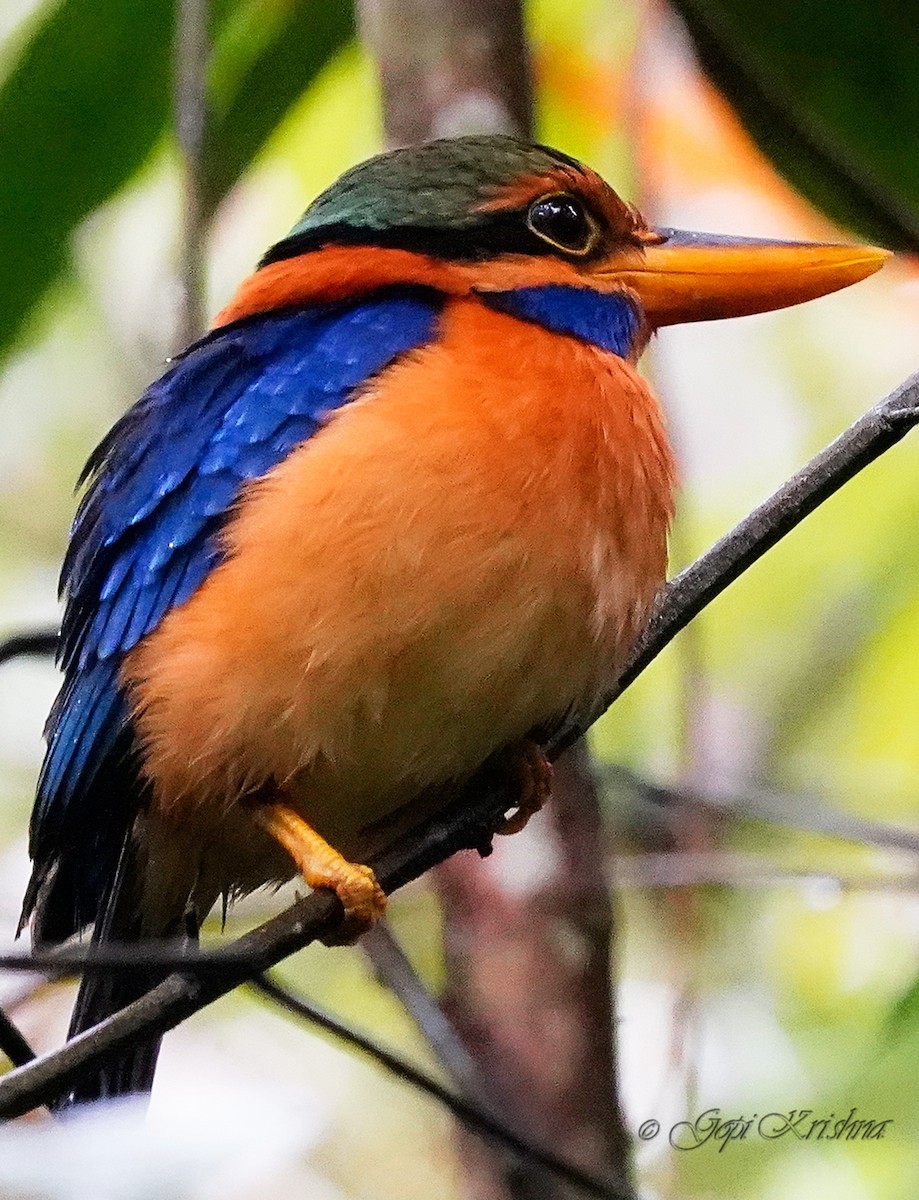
(608, 321)
(488, 529)
(147, 534)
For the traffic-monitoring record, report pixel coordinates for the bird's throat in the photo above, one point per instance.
(608, 320)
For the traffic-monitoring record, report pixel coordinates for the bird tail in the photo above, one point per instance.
(104, 992)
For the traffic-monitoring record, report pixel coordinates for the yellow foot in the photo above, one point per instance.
(530, 774)
(323, 867)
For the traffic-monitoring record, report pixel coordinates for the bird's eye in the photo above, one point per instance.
(563, 221)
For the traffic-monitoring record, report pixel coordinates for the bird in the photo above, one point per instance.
(402, 511)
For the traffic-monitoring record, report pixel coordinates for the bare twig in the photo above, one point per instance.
(809, 814)
(723, 868)
(394, 970)
(12, 1043)
(190, 102)
(470, 1114)
(123, 956)
(39, 642)
(802, 812)
(468, 822)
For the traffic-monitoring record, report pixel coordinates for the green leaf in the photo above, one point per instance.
(92, 94)
(827, 89)
(78, 114)
(314, 30)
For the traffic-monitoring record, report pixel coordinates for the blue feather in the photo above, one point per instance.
(607, 320)
(146, 534)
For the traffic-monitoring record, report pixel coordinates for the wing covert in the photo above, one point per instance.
(146, 533)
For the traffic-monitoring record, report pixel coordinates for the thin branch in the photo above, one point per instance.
(470, 1114)
(40, 642)
(810, 815)
(190, 103)
(394, 970)
(468, 822)
(799, 811)
(123, 956)
(681, 869)
(12, 1043)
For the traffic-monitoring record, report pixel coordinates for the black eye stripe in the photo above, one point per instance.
(563, 221)
(506, 231)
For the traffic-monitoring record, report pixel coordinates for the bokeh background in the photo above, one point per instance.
(759, 782)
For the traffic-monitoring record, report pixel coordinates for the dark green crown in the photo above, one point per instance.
(419, 196)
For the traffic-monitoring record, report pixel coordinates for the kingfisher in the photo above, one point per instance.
(402, 511)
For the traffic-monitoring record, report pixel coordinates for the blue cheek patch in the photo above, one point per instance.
(608, 321)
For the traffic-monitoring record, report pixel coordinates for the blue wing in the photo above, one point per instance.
(146, 535)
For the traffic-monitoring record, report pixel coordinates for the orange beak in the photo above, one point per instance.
(702, 277)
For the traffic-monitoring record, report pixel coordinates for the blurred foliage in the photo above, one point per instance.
(251, 100)
(90, 96)
(786, 989)
(78, 115)
(828, 90)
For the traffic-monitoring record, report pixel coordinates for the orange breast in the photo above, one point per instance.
(462, 553)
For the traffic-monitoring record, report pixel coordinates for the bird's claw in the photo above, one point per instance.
(530, 773)
(362, 898)
(321, 866)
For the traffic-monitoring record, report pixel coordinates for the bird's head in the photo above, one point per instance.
(495, 214)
